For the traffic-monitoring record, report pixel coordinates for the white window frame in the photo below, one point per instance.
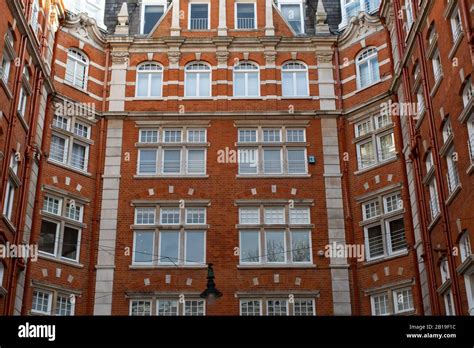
(84, 62)
(132, 301)
(208, 15)
(449, 303)
(293, 72)
(198, 79)
(50, 302)
(395, 301)
(260, 306)
(372, 303)
(236, 23)
(9, 200)
(146, 3)
(134, 252)
(456, 24)
(467, 92)
(369, 60)
(465, 246)
(437, 66)
(246, 73)
(34, 21)
(301, 4)
(149, 73)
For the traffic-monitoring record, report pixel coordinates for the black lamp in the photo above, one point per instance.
(211, 292)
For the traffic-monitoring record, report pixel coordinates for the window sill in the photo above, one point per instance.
(470, 169)
(378, 165)
(436, 86)
(385, 258)
(247, 98)
(160, 98)
(6, 89)
(279, 266)
(419, 119)
(144, 267)
(467, 112)
(9, 223)
(447, 144)
(404, 313)
(428, 176)
(272, 176)
(198, 98)
(433, 222)
(22, 121)
(302, 97)
(453, 195)
(65, 166)
(256, 30)
(48, 257)
(467, 266)
(456, 45)
(84, 91)
(166, 176)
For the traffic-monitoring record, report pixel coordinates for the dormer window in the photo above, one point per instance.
(151, 12)
(351, 8)
(199, 16)
(293, 12)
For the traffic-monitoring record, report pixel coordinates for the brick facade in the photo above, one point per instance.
(361, 182)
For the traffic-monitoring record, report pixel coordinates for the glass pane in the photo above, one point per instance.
(239, 84)
(387, 146)
(169, 247)
(47, 236)
(142, 85)
(397, 235)
(271, 161)
(248, 161)
(194, 247)
(57, 148)
(296, 161)
(152, 14)
(171, 161)
(155, 85)
(196, 161)
(245, 16)
(287, 84)
(249, 246)
(143, 249)
(71, 237)
(375, 241)
(78, 157)
(191, 84)
(301, 84)
(204, 84)
(147, 163)
(301, 249)
(292, 14)
(275, 242)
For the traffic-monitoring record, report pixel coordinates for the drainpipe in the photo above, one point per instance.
(398, 124)
(98, 187)
(26, 175)
(33, 240)
(346, 184)
(6, 163)
(421, 202)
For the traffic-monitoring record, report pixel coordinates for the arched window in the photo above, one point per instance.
(77, 68)
(197, 80)
(149, 80)
(294, 80)
(246, 80)
(367, 67)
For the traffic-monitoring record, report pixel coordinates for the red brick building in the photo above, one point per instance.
(262, 137)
